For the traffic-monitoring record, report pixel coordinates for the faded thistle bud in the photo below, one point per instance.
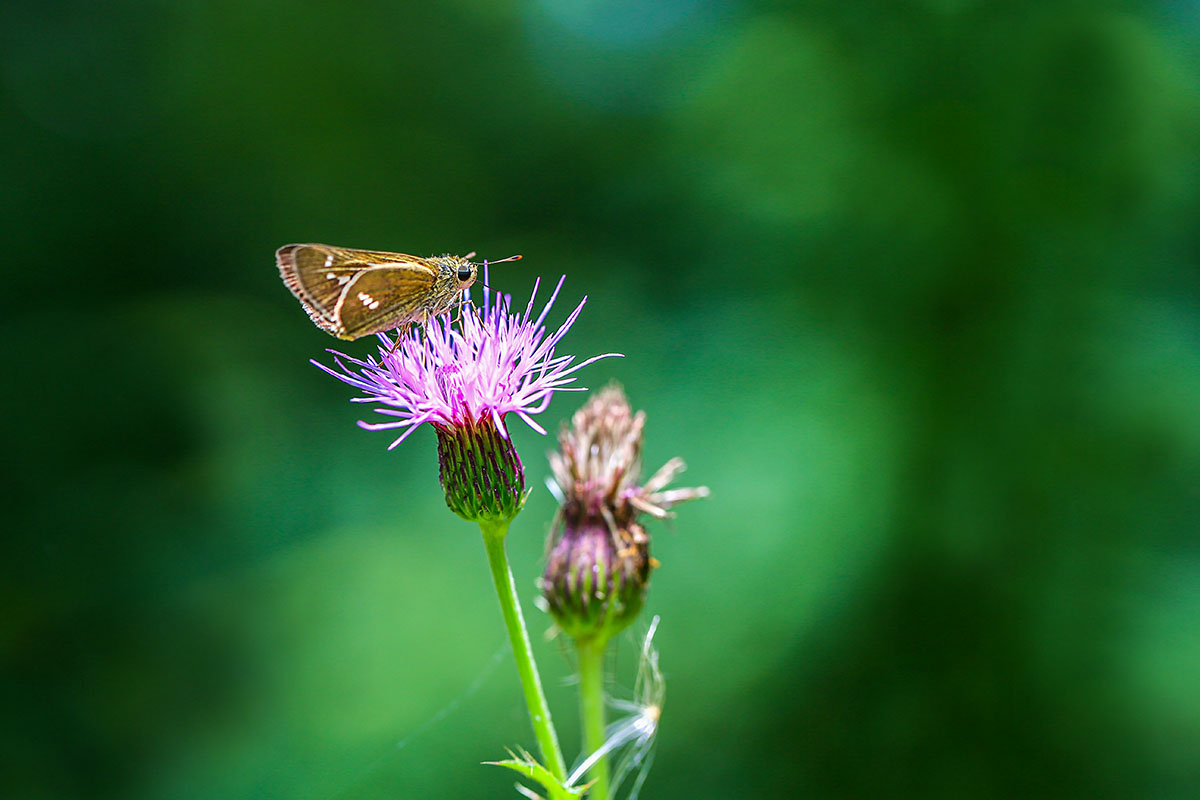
(481, 472)
(598, 559)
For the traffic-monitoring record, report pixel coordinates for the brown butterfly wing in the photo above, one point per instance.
(319, 274)
(382, 298)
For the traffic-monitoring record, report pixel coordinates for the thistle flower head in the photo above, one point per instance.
(600, 461)
(463, 377)
(598, 564)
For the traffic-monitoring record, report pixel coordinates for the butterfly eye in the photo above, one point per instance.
(465, 274)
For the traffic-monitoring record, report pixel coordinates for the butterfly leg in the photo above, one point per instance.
(401, 332)
(472, 309)
(420, 321)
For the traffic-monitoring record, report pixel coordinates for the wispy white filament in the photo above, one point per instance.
(636, 732)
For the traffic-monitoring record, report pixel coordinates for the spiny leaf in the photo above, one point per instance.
(524, 763)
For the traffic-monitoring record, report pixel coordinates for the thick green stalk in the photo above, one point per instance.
(535, 698)
(591, 708)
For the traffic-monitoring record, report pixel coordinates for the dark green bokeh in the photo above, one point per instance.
(911, 284)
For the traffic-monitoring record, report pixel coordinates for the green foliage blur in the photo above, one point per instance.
(911, 285)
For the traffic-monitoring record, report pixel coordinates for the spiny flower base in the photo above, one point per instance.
(595, 580)
(481, 472)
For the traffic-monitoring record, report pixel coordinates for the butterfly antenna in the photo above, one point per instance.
(502, 260)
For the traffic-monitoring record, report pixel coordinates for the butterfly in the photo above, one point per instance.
(353, 293)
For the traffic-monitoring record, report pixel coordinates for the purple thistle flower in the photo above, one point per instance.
(464, 377)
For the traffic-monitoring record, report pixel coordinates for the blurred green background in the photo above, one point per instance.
(911, 284)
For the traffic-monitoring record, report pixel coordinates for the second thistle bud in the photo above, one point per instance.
(481, 472)
(595, 581)
(598, 559)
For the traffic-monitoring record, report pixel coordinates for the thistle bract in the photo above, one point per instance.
(481, 472)
(595, 581)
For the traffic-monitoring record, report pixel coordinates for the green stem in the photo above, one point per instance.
(535, 698)
(591, 708)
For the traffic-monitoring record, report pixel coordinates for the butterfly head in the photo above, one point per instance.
(455, 274)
